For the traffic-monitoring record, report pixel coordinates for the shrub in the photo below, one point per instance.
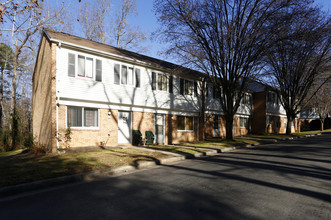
(5, 144)
(28, 140)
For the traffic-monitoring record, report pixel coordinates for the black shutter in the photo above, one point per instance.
(116, 74)
(195, 89)
(171, 86)
(181, 86)
(137, 77)
(153, 81)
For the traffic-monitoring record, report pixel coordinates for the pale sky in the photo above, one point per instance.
(147, 21)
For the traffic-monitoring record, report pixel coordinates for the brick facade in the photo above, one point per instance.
(44, 97)
(106, 134)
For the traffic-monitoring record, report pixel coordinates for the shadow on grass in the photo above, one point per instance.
(185, 151)
(27, 167)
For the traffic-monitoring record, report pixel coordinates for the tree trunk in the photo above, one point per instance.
(322, 124)
(1, 97)
(229, 127)
(13, 112)
(289, 125)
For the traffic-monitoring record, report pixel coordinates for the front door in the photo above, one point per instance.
(216, 125)
(124, 127)
(159, 128)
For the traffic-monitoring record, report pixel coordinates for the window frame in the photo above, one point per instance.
(246, 123)
(76, 68)
(83, 118)
(185, 122)
(131, 81)
(156, 83)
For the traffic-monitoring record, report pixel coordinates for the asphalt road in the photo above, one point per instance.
(290, 180)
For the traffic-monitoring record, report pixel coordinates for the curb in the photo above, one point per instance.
(98, 174)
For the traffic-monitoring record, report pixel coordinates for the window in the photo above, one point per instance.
(246, 99)
(161, 82)
(244, 122)
(82, 117)
(85, 67)
(125, 75)
(272, 98)
(185, 123)
(186, 87)
(216, 121)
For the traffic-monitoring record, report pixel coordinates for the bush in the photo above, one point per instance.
(5, 144)
(28, 141)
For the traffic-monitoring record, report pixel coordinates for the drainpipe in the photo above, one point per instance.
(57, 104)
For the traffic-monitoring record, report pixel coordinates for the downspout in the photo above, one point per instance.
(57, 104)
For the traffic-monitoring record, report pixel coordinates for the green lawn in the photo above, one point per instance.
(220, 143)
(17, 167)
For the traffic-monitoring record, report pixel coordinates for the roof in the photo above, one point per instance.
(67, 38)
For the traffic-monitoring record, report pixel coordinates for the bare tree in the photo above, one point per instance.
(6, 55)
(22, 21)
(299, 52)
(224, 39)
(319, 97)
(93, 19)
(126, 36)
(97, 24)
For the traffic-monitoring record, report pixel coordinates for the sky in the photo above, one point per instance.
(148, 23)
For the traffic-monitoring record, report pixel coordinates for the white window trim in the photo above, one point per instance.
(94, 66)
(134, 75)
(240, 121)
(157, 81)
(185, 122)
(83, 127)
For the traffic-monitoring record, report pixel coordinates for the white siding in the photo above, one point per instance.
(107, 92)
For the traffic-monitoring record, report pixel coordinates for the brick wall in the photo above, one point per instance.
(143, 121)
(107, 132)
(44, 96)
(175, 136)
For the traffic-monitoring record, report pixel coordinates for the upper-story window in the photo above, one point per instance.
(246, 99)
(84, 67)
(216, 94)
(160, 82)
(126, 75)
(272, 98)
(187, 87)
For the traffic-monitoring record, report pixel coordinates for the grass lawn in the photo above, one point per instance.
(17, 167)
(178, 149)
(220, 143)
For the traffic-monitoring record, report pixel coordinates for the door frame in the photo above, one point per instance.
(130, 127)
(163, 115)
